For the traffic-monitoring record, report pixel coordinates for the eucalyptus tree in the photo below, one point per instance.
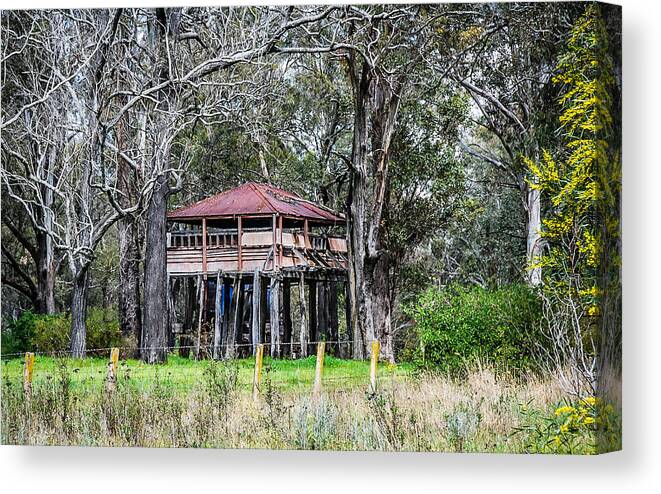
(509, 81)
(30, 148)
(68, 196)
(386, 52)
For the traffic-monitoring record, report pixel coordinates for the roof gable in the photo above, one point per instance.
(255, 199)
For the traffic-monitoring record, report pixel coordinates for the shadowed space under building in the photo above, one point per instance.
(233, 261)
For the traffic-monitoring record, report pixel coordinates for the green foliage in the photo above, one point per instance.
(51, 333)
(428, 183)
(17, 334)
(460, 324)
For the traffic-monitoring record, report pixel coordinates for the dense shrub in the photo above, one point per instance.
(456, 325)
(51, 333)
(17, 334)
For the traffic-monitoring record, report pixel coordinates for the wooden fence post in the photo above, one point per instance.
(257, 378)
(321, 348)
(376, 348)
(111, 378)
(28, 367)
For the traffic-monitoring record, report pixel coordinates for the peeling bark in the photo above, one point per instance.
(376, 101)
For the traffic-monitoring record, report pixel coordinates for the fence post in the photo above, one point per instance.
(257, 378)
(28, 366)
(321, 348)
(376, 348)
(112, 369)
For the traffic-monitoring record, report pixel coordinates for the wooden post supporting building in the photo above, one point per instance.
(286, 317)
(276, 322)
(304, 335)
(217, 334)
(256, 323)
(312, 290)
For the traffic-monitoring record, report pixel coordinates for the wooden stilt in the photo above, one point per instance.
(263, 316)
(322, 311)
(185, 340)
(217, 335)
(275, 316)
(246, 316)
(304, 332)
(313, 332)
(333, 324)
(200, 316)
(227, 302)
(235, 321)
(286, 317)
(256, 323)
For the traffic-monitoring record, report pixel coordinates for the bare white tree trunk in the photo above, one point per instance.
(533, 236)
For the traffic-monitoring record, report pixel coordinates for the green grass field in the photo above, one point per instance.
(183, 374)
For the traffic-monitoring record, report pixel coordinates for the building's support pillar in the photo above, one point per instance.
(185, 340)
(314, 333)
(235, 322)
(226, 310)
(256, 323)
(240, 244)
(204, 246)
(243, 349)
(322, 311)
(201, 289)
(286, 317)
(304, 335)
(333, 324)
(263, 316)
(217, 327)
(276, 320)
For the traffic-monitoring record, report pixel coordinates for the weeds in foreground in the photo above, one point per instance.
(580, 427)
(431, 413)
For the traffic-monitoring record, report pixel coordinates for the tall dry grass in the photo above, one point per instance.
(477, 413)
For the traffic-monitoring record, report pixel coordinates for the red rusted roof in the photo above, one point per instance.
(254, 199)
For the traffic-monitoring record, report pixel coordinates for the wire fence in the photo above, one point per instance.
(283, 349)
(191, 374)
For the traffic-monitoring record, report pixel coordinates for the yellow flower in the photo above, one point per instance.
(588, 421)
(590, 400)
(564, 429)
(563, 410)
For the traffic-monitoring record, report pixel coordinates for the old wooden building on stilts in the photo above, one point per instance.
(235, 259)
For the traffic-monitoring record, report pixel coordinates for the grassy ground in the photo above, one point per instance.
(207, 404)
(182, 374)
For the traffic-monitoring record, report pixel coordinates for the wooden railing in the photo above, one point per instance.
(230, 239)
(318, 242)
(193, 240)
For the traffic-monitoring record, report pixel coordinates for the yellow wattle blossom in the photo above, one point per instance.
(590, 401)
(564, 409)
